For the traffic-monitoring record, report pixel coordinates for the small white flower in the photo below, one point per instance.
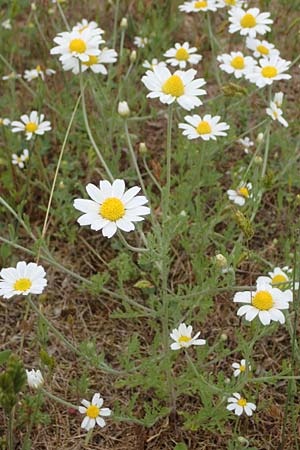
(111, 207)
(32, 124)
(140, 42)
(279, 275)
(269, 70)
(205, 128)
(249, 22)
(196, 6)
(95, 63)
(276, 114)
(153, 63)
(232, 3)
(246, 143)
(34, 378)
(183, 337)
(12, 76)
(123, 109)
(4, 121)
(93, 412)
(20, 160)
(30, 75)
(23, 280)
(78, 44)
(278, 99)
(240, 367)
(239, 404)
(265, 302)
(260, 48)
(180, 55)
(236, 63)
(241, 194)
(180, 86)
(86, 25)
(6, 24)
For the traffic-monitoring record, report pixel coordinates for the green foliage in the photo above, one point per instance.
(12, 381)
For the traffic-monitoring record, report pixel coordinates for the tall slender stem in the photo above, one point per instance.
(169, 154)
(61, 11)
(116, 23)
(11, 429)
(58, 399)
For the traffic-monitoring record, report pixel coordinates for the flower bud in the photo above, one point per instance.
(260, 137)
(224, 337)
(33, 6)
(258, 160)
(124, 23)
(221, 261)
(34, 378)
(227, 381)
(123, 109)
(143, 148)
(133, 56)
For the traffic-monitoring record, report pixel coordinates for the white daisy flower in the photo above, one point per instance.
(34, 378)
(241, 194)
(6, 24)
(249, 22)
(236, 63)
(140, 42)
(93, 412)
(180, 86)
(4, 121)
(266, 303)
(246, 143)
(180, 55)
(183, 337)
(232, 3)
(32, 124)
(205, 128)
(111, 207)
(269, 70)
(260, 48)
(23, 280)
(32, 74)
(196, 6)
(279, 275)
(11, 76)
(153, 63)
(278, 99)
(77, 44)
(239, 404)
(20, 160)
(240, 367)
(95, 63)
(91, 26)
(276, 114)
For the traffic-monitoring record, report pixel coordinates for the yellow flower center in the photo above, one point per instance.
(199, 5)
(238, 63)
(244, 192)
(31, 127)
(92, 411)
(263, 300)
(203, 128)
(38, 68)
(262, 49)
(230, 2)
(184, 339)
(269, 72)
(248, 21)
(279, 279)
(182, 54)
(242, 402)
(173, 86)
(19, 159)
(112, 209)
(77, 45)
(242, 368)
(92, 60)
(22, 284)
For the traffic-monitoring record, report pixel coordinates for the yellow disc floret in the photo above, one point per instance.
(269, 72)
(92, 411)
(184, 339)
(112, 209)
(203, 128)
(238, 63)
(173, 86)
(244, 192)
(199, 5)
(22, 284)
(230, 2)
(262, 49)
(31, 127)
(242, 368)
(248, 21)
(77, 45)
(182, 54)
(92, 60)
(263, 300)
(242, 402)
(279, 279)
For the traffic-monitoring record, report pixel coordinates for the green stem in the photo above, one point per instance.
(169, 155)
(116, 23)
(61, 11)
(58, 399)
(11, 420)
(151, 175)
(130, 247)
(133, 157)
(213, 50)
